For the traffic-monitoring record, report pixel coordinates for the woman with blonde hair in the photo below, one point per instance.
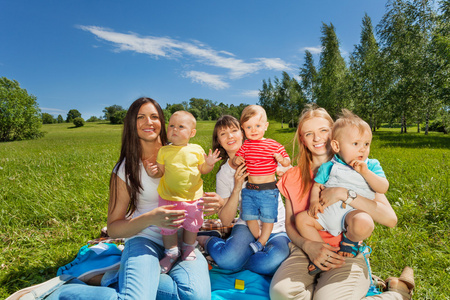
(292, 281)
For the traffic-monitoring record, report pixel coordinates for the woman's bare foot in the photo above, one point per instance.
(403, 285)
(202, 240)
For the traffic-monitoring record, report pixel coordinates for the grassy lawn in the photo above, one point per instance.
(54, 198)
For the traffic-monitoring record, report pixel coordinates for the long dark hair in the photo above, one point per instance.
(225, 121)
(131, 153)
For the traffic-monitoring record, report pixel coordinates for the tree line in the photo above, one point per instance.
(398, 73)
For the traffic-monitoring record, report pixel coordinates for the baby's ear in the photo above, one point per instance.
(335, 146)
(193, 132)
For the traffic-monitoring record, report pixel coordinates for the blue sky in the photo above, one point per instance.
(89, 54)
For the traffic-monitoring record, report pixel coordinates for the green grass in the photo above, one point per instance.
(54, 198)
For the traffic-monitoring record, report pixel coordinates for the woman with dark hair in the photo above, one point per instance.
(134, 214)
(235, 253)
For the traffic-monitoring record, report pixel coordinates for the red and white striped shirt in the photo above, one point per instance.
(258, 155)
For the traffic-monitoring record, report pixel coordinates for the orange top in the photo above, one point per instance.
(290, 187)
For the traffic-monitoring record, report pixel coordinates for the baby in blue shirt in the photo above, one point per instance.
(352, 169)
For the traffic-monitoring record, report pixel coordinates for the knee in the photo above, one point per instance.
(362, 225)
(280, 292)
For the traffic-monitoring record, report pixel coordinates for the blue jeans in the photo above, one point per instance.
(140, 278)
(235, 253)
(259, 205)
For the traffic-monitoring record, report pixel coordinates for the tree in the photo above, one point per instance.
(367, 80)
(118, 117)
(405, 32)
(109, 111)
(78, 122)
(93, 119)
(308, 75)
(72, 114)
(267, 97)
(19, 112)
(331, 79)
(60, 119)
(48, 118)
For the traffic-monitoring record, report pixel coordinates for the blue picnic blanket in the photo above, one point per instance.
(256, 287)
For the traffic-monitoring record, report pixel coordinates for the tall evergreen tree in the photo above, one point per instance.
(367, 79)
(308, 74)
(331, 81)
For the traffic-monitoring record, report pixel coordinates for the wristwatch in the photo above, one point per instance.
(351, 196)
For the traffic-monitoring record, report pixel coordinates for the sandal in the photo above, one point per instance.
(407, 277)
(188, 251)
(313, 269)
(379, 283)
(348, 246)
(167, 262)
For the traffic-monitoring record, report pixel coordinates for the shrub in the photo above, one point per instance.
(118, 117)
(78, 122)
(20, 116)
(93, 119)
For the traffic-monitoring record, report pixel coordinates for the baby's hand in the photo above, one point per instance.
(359, 166)
(151, 169)
(278, 157)
(239, 160)
(314, 209)
(212, 158)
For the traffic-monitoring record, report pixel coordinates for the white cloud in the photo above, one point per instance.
(275, 64)
(211, 80)
(169, 48)
(313, 50)
(53, 111)
(251, 93)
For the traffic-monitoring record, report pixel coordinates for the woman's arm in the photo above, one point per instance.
(317, 252)
(379, 209)
(229, 210)
(121, 226)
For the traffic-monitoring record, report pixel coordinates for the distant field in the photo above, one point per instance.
(54, 198)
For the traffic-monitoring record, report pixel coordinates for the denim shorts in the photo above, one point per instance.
(260, 205)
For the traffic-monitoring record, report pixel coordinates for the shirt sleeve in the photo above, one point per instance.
(160, 156)
(323, 173)
(375, 166)
(282, 150)
(223, 186)
(241, 150)
(200, 153)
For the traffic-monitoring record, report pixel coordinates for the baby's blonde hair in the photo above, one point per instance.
(251, 111)
(348, 119)
(188, 114)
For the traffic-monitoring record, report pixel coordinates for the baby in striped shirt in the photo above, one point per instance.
(261, 157)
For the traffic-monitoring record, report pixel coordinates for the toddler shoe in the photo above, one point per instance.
(256, 246)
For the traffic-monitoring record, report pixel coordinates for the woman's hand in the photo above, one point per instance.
(240, 176)
(211, 203)
(323, 255)
(165, 217)
(331, 195)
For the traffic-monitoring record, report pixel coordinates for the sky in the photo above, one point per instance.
(89, 54)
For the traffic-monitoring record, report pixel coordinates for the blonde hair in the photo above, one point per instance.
(251, 111)
(187, 114)
(348, 119)
(304, 157)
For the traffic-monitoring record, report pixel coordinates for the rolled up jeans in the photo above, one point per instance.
(235, 253)
(140, 278)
